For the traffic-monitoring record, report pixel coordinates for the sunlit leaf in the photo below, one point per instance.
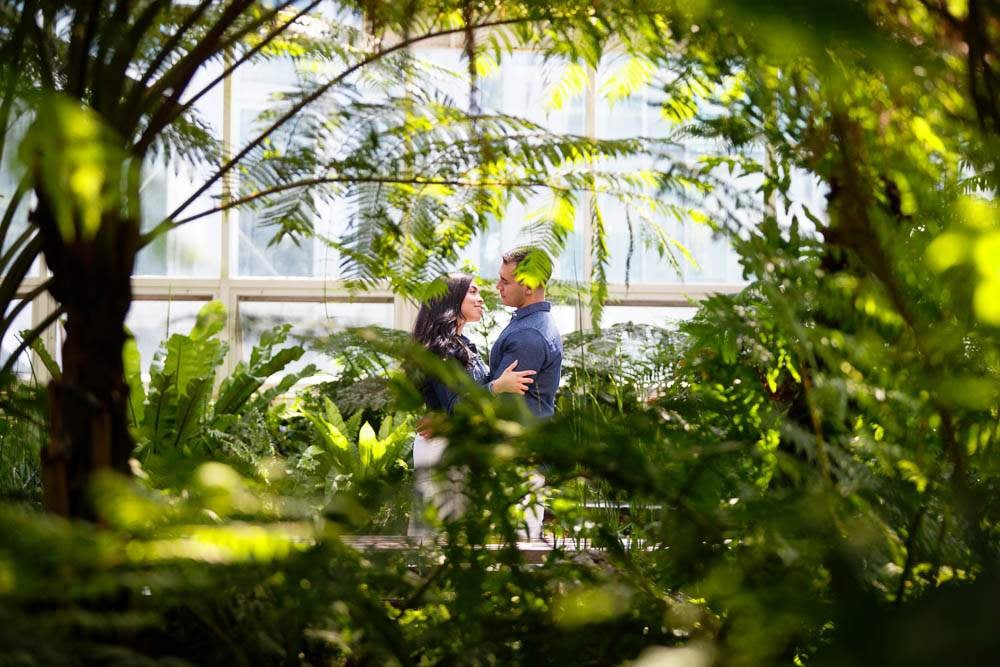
(986, 301)
(948, 250)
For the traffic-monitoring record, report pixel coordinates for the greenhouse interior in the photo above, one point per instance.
(655, 333)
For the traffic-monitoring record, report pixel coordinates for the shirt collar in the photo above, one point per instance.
(533, 308)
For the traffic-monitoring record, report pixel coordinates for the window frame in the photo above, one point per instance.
(230, 288)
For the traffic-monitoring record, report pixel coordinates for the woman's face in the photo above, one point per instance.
(472, 305)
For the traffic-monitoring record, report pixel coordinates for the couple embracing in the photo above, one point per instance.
(526, 360)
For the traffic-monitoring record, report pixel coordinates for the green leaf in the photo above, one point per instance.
(912, 472)
(190, 411)
(572, 83)
(237, 389)
(628, 79)
(974, 393)
(38, 347)
(285, 384)
(329, 426)
(353, 425)
(370, 449)
(133, 375)
(947, 250)
(211, 320)
(185, 363)
(986, 301)
(78, 162)
(385, 428)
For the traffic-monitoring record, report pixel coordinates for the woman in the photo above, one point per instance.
(439, 327)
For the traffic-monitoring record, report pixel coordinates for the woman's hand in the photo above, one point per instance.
(425, 426)
(512, 382)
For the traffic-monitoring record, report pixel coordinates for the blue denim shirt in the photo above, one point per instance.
(533, 340)
(440, 396)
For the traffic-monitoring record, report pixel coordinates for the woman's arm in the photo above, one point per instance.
(511, 381)
(444, 396)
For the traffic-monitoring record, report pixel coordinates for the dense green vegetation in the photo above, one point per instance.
(806, 472)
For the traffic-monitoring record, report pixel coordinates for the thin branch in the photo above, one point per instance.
(817, 424)
(124, 53)
(938, 548)
(242, 60)
(15, 201)
(422, 588)
(24, 303)
(968, 502)
(81, 37)
(12, 279)
(206, 47)
(15, 247)
(165, 52)
(855, 212)
(180, 75)
(169, 224)
(32, 336)
(44, 59)
(10, 87)
(911, 547)
(110, 32)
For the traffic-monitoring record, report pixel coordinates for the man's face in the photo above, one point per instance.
(512, 293)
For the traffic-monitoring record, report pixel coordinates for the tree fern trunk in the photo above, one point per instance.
(88, 403)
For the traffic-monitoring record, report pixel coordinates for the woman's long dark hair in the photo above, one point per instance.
(437, 321)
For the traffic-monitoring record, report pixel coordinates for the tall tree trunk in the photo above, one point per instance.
(88, 405)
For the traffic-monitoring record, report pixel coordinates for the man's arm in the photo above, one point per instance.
(527, 347)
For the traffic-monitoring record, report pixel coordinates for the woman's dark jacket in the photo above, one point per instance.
(440, 396)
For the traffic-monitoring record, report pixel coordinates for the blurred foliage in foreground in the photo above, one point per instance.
(812, 477)
(737, 544)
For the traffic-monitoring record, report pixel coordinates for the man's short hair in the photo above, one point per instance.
(534, 266)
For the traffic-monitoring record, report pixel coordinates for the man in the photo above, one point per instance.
(532, 341)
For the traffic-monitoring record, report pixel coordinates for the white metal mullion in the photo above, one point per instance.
(302, 289)
(230, 334)
(42, 306)
(404, 313)
(583, 312)
(185, 289)
(257, 289)
(28, 284)
(676, 294)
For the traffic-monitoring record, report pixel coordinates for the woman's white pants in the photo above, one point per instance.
(439, 489)
(443, 490)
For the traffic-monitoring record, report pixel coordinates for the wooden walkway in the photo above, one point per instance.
(533, 551)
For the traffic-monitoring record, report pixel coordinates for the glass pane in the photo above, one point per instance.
(152, 322)
(10, 175)
(194, 249)
(309, 320)
(12, 339)
(254, 92)
(807, 191)
(485, 332)
(661, 316)
(565, 317)
(521, 86)
(636, 236)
